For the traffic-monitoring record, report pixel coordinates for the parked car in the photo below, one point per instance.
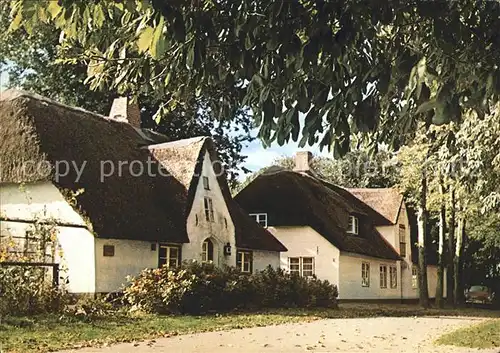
(479, 294)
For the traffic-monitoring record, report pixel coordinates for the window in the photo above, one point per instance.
(169, 256)
(206, 185)
(353, 225)
(209, 209)
(260, 218)
(402, 240)
(108, 250)
(244, 261)
(365, 274)
(302, 266)
(383, 276)
(207, 251)
(393, 272)
(414, 277)
(294, 265)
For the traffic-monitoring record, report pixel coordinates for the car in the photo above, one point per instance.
(479, 294)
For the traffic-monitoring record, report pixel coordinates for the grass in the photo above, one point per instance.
(51, 332)
(484, 335)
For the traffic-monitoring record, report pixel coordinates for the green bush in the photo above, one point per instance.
(28, 291)
(200, 288)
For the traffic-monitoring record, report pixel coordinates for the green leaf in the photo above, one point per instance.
(294, 120)
(54, 9)
(190, 59)
(145, 38)
(303, 101)
(322, 96)
(167, 78)
(158, 46)
(426, 106)
(16, 22)
(264, 93)
(311, 119)
(99, 16)
(269, 109)
(303, 140)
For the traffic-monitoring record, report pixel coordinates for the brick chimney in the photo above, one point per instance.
(125, 110)
(302, 159)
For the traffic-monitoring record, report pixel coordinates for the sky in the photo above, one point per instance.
(259, 157)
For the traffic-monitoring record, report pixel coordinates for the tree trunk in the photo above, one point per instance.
(441, 261)
(450, 264)
(423, 291)
(458, 292)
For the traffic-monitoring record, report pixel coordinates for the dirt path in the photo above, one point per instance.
(395, 335)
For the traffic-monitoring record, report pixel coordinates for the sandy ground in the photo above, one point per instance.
(366, 335)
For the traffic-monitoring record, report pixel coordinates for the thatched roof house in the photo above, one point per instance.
(389, 202)
(298, 199)
(39, 138)
(37, 135)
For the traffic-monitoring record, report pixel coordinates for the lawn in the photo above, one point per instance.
(48, 333)
(484, 335)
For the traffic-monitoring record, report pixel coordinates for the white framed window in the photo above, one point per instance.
(206, 184)
(365, 274)
(260, 218)
(302, 266)
(393, 275)
(207, 251)
(209, 209)
(169, 255)
(353, 225)
(414, 277)
(383, 276)
(402, 240)
(244, 261)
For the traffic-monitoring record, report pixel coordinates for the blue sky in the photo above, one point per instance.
(259, 157)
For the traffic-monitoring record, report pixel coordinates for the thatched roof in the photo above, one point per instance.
(297, 199)
(184, 160)
(37, 132)
(386, 201)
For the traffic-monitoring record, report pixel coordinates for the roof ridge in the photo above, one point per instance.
(180, 142)
(13, 94)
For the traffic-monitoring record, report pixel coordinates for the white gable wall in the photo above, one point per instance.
(39, 201)
(199, 228)
(306, 242)
(391, 235)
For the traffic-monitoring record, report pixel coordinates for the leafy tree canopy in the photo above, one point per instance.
(33, 62)
(344, 64)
